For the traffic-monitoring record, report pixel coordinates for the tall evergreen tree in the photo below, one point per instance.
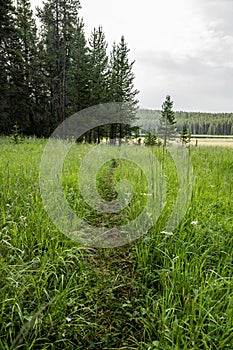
(98, 85)
(167, 121)
(121, 86)
(59, 19)
(7, 34)
(78, 75)
(25, 67)
(98, 60)
(17, 65)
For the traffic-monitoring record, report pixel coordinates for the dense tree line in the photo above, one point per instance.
(206, 123)
(197, 123)
(51, 70)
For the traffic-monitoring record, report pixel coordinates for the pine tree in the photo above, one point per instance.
(59, 19)
(98, 84)
(121, 87)
(25, 67)
(185, 135)
(18, 56)
(151, 139)
(7, 34)
(167, 121)
(98, 61)
(78, 74)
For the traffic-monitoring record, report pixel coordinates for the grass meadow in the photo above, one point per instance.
(163, 291)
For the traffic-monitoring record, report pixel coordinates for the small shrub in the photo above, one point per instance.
(16, 136)
(151, 140)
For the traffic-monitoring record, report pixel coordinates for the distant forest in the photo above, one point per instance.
(50, 70)
(196, 122)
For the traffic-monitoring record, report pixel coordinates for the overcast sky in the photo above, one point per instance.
(183, 48)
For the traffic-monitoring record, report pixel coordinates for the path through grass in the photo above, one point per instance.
(160, 292)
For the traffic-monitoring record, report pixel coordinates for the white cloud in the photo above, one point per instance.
(182, 47)
(161, 25)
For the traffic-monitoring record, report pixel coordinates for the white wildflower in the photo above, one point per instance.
(195, 222)
(167, 233)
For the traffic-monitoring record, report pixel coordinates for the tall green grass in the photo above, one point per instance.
(160, 292)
